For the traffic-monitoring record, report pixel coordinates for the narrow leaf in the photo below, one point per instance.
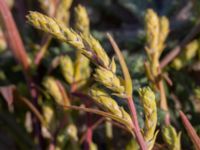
(7, 93)
(34, 110)
(190, 130)
(13, 36)
(127, 77)
(98, 112)
(66, 99)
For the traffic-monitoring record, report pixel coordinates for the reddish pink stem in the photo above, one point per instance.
(13, 37)
(190, 130)
(19, 52)
(136, 127)
(173, 53)
(89, 131)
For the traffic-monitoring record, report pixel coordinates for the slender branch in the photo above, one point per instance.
(60, 126)
(93, 127)
(22, 58)
(101, 120)
(34, 110)
(89, 132)
(136, 130)
(128, 89)
(174, 52)
(66, 99)
(45, 43)
(13, 37)
(190, 130)
(163, 101)
(127, 77)
(99, 112)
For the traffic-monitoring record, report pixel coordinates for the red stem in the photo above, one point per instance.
(89, 131)
(190, 130)
(136, 127)
(173, 53)
(18, 50)
(45, 43)
(13, 37)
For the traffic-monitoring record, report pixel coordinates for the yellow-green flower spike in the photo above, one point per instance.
(81, 70)
(109, 80)
(163, 32)
(197, 92)
(82, 21)
(95, 51)
(188, 53)
(191, 50)
(49, 115)
(132, 145)
(113, 65)
(109, 104)
(177, 64)
(171, 137)
(72, 132)
(3, 44)
(93, 146)
(157, 30)
(147, 97)
(90, 47)
(56, 28)
(67, 68)
(152, 32)
(47, 6)
(52, 88)
(152, 28)
(63, 12)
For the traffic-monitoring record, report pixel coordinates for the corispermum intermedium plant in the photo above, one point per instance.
(105, 71)
(72, 91)
(157, 30)
(88, 48)
(74, 87)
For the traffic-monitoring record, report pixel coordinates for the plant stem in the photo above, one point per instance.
(174, 52)
(34, 110)
(163, 100)
(13, 37)
(45, 43)
(93, 127)
(128, 91)
(89, 132)
(19, 52)
(136, 128)
(190, 130)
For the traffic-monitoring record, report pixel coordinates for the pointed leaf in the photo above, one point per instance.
(7, 93)
(190, 130)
